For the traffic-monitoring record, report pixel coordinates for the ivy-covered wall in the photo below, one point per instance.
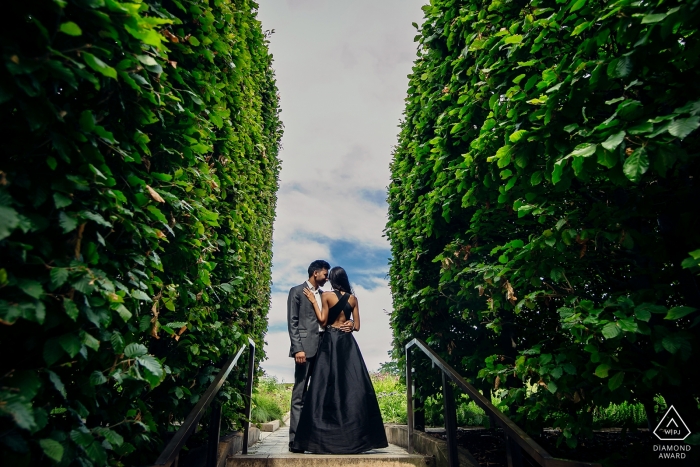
(138, 184)
(543, 220)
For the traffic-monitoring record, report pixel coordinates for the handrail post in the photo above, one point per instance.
(450, 420)
(214, 435)
(409, 400)
(418, 411)
(248, 394)
(514, 454)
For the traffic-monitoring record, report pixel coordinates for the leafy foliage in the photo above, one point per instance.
(137, 194)
(542, 203)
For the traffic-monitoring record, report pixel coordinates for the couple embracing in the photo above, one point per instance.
(336, 412)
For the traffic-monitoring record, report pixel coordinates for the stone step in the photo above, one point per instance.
(378, 459)
(273, 451)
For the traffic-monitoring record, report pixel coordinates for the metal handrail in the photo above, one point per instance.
(516, 438)
(172, 449)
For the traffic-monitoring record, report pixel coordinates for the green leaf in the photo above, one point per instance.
(558, 170)
(9, 220)
(20, 411)
(616, 381)
(679, 312)
(153, 371)
(176, 324)
(147, 60)
(601, 370)
(52, 448)
(620, 68)
(61, 201)
(628, 325)
(672, 343)
(67, 223)
(578, 5)
(52, 351)
(81, 437)
(140, 295)
(114, 438)
(636, 165)
(135, 350)
(614, 141)
(97, 378)
(70, 343)
(517, 136)
(514, 39)
(87, 121)
(682, 127)
(536, 178)
(99, 66)
(123, 312)
(30, 287)
(70, 28)
(581, 27)
(90, 341)
(150, 363)
(584, 150)
(607, 159)
(657, 17)
(57, 383)
(71, 309)
(552, 387)
(611, 330)
(642, 314)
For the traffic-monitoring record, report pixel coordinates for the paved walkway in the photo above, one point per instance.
(277, 444)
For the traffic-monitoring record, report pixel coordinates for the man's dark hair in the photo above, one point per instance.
(318, 265)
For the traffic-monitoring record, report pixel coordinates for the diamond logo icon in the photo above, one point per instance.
(671, 427)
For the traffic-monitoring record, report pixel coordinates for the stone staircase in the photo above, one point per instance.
(273, 451)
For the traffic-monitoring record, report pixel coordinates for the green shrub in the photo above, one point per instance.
(137, 194)
(539, 208)
(271, 392)
(265, 408)
(391, 395)
(626, 414)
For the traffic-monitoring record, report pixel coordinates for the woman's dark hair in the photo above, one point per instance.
(339, 279)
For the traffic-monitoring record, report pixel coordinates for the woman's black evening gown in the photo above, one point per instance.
(341, 414)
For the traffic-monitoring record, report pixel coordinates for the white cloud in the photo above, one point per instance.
(341, 69)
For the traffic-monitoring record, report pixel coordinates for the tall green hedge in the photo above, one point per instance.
(138, 186)
(543, 203)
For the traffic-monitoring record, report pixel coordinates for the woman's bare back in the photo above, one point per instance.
(331, 299)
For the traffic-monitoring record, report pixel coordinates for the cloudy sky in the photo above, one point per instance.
(341, 70)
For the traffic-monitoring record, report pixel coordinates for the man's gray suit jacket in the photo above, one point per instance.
(301, 323)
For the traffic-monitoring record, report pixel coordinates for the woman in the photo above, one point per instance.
(341, 414)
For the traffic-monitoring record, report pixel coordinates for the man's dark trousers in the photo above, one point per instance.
(302, 373)
(304, 336)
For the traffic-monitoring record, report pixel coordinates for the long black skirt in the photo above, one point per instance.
(340, 414)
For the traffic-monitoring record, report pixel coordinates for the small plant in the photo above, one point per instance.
(391, 395)
(265, 409)
(271, 400)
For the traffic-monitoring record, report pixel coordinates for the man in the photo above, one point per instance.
(304, 333)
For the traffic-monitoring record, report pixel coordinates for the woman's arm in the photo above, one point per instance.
(356, 315)
(320, 316)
